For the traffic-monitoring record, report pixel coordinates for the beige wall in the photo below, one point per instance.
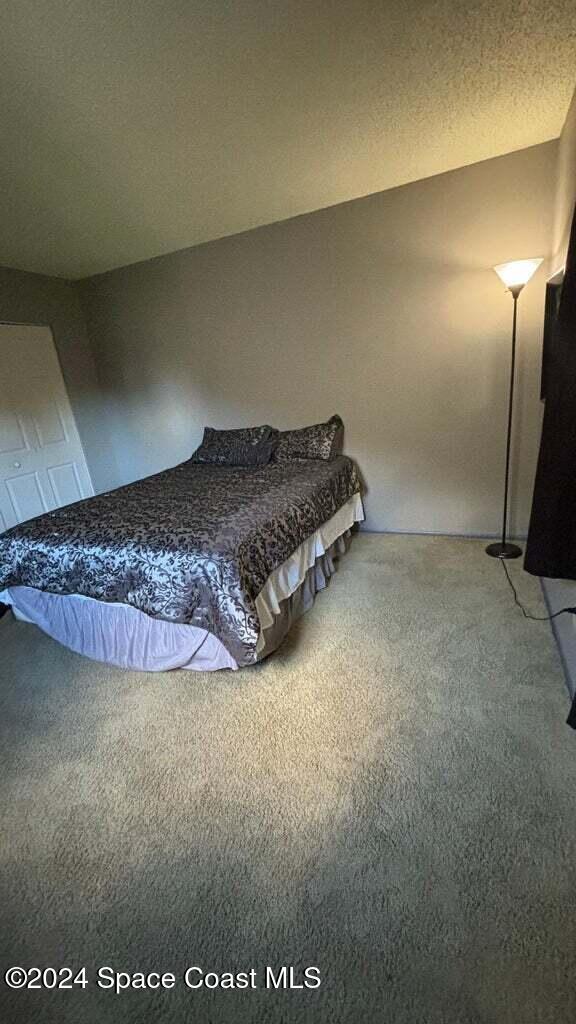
(33, 298)
(384, 309)
(565, 187)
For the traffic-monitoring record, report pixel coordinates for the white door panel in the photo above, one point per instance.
(12, 434)
(66, 484)
(27, 496)
(49, 426)
(42, 464)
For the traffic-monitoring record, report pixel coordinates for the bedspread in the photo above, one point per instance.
(192, 544)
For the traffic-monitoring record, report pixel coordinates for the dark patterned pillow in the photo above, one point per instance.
(247, 446)
(320, 441)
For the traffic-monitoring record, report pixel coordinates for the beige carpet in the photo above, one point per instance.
(390, 798)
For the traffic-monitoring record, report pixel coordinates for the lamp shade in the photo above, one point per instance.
(517, 273)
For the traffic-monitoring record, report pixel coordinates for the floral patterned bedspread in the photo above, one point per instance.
(192, 544)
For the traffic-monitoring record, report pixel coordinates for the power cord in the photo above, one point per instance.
(527, 615)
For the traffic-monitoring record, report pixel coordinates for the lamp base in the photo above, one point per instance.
(500, 550)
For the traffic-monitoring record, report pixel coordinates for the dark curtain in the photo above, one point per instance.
(551, 544)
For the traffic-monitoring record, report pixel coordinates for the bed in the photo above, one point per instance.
(199, 566)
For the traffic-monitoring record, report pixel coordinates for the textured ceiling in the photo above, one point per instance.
(131, 128)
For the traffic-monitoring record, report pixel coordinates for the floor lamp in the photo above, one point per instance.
(514, 275)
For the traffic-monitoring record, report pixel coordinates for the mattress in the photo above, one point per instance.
(213, 548)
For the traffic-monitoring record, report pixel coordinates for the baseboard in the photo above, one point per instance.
(517, 537)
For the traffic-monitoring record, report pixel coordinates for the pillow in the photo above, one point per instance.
(247, 446)
(320, 441)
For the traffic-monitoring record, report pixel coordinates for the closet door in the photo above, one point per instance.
(42, 464)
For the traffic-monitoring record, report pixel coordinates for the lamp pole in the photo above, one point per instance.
(501, 549)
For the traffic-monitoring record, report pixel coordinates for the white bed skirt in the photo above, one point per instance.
(124, 636)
